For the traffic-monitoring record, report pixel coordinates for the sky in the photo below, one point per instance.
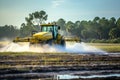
(13, 12)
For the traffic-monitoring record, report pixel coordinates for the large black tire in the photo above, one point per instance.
(63, 44)
(50, 42)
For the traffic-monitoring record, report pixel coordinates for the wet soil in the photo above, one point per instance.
(48, 65)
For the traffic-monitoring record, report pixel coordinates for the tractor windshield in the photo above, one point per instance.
(46, 28)
(50, 28)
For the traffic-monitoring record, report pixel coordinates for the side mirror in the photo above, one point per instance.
(58, 27)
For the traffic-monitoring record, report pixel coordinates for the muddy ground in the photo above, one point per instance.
(47, 65)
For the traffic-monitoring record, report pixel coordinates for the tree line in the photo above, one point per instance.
(8, 31)
(98, 28)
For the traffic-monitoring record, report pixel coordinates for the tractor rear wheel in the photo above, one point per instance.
(63, 44)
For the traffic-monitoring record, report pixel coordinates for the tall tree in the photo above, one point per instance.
(104, 23)
(39, 17)
(61, 23)
(118, 23)
(96, 19)
(114, 33)
(77, 30)
(112, 23)
(70, 26)
(33, 21)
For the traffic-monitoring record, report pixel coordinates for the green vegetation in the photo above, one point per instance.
(8, 31)
(107, 47)
(97, 29)
(32, 23)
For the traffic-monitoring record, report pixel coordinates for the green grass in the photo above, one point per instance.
(107, 46)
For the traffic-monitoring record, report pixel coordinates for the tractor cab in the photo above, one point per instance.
(50, 28)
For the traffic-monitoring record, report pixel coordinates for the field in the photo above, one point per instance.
(48, 66)
(107, 47)
(26, 62)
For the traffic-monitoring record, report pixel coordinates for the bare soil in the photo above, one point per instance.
(45, 65)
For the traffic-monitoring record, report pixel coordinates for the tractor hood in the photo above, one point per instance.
(43, 35)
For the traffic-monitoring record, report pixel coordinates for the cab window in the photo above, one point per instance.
(47, 29)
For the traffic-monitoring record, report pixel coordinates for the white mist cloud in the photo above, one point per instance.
(71, 47)
(56, 3)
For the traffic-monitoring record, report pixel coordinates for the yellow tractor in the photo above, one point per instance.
(49, 34)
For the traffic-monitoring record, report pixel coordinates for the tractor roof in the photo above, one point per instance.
(47, 25)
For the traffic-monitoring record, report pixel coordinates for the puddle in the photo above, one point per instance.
(67, 76)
